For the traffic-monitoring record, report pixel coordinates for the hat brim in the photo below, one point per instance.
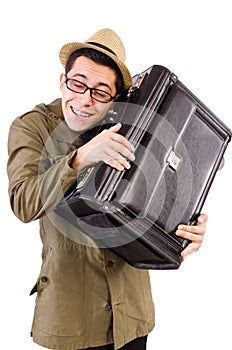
(69, 48)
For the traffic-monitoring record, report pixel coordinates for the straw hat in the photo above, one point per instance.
(106, 41)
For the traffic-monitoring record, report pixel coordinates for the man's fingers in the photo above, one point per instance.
(120, 138)
(116, 127)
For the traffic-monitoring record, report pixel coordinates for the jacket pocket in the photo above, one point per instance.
(42, 279)
(60, 300)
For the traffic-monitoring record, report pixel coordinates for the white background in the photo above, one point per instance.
(191, 38)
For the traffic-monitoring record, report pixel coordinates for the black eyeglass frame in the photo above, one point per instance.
(90, 89)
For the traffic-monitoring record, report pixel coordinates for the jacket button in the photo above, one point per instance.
(108, 307)
(44, 279)
(110, 263)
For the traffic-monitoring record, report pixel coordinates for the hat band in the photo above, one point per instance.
(102, 47)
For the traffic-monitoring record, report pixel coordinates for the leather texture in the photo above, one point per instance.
(179, 145)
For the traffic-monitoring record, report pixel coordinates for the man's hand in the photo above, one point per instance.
(108, 147)
(193, 233)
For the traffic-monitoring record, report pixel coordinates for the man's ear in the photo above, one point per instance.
(62, 80)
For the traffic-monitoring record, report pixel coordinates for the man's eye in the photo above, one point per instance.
(99, 93)
(78, 85)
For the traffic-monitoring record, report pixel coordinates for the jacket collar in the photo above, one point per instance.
(57, 127)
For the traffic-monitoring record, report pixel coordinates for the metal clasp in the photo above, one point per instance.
(173, 160)
(138, 83)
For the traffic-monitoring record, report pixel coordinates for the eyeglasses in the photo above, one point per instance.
(80, 88)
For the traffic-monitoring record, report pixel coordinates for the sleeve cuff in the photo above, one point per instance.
(68, 175)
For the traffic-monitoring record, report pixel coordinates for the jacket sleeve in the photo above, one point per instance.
(35, 185)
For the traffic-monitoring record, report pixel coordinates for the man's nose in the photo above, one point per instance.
(85, 98)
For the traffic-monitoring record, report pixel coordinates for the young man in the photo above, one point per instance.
(87, 298)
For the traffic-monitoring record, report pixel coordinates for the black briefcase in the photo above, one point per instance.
(179, 146)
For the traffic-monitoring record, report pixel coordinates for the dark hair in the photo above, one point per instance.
(100, 58)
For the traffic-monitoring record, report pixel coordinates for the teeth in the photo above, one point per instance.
(81, 114)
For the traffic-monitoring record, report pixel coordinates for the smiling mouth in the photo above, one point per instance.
(81, 114)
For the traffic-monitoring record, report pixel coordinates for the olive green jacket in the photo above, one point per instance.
(86, 296)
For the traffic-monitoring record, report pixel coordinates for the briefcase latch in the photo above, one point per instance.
(138, 83)
(173, 160)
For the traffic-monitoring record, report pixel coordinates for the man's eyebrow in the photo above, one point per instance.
(79, 75)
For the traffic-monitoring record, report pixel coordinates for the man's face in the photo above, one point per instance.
(81, 111)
